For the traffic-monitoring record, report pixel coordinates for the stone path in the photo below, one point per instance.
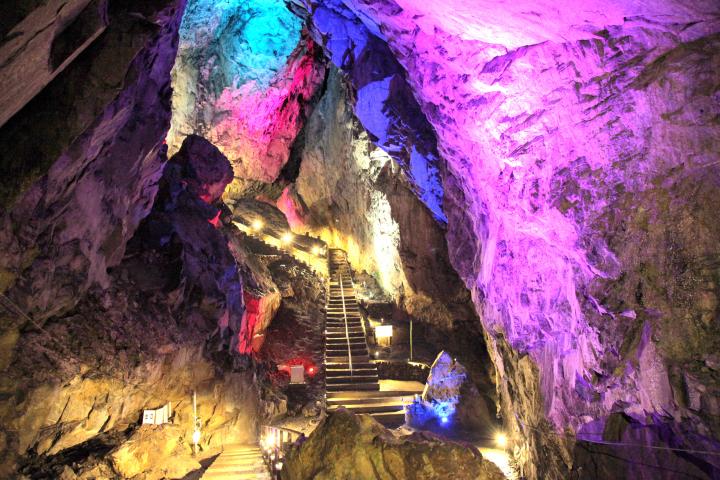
(238, 462)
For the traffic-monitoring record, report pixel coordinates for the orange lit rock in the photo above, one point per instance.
(358, 447)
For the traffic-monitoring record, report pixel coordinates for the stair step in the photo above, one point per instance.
(333, 342)
(371, 398)
(339, 350)
(340, 387)
(370, 408)
(342, 336)
(346, 366)
(355, 371)
(345, 358)
(354, 379)
(351, 395)
(343, 330)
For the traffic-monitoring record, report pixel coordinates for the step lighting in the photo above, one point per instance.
(257, 225)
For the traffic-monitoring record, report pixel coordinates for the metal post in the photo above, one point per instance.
(347, 332)
(195, 422)
(411, 339)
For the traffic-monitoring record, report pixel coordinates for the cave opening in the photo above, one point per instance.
(309, 239)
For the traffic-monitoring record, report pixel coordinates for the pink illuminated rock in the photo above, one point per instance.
(290, 204)
(572, 137)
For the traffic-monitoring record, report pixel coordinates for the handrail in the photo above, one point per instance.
(274, 442)
(347, 331)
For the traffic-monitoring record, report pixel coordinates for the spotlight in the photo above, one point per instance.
(278, 466)
(501, 440)
(316, 250)
(287, 238)
(257, 225)
(444, 419)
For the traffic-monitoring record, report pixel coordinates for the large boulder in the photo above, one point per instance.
(205, 169)
(358, 447)
(157, 451)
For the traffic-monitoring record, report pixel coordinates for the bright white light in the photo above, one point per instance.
(287, 238)
(501, 440)
(257, 224)
(384, 331)
(196, 437)
(278, 466)
(444, 419)
(316, 250)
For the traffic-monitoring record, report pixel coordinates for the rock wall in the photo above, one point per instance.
(338, 170)
(244, 79)
(581, 168)
(81, 163)
(357, 446)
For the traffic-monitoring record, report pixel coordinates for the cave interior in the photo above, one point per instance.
(359, 239)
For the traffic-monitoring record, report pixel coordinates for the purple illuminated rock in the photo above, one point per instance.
(205, 169)
(445, 380)
(580, 177)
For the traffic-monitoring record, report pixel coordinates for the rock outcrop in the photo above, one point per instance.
(80, 161)
(245, 79)
(356, 446)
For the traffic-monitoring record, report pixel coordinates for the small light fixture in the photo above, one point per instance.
(501, 439)
(287, 238)
(257, 225)
(278, 466)
(316, 250)
(444, 419)
(384, 334)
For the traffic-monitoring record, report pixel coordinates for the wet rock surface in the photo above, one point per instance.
(356, 446)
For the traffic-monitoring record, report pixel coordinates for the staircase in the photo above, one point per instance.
(351, 379)
(241, 462)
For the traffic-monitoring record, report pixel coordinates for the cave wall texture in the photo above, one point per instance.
(244, 80)
(580, 183)
(564, 158)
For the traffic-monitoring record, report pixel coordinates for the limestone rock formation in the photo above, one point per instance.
(570, 148)
(149, 452)
(83, 158)
(356, 446)
(244, 79)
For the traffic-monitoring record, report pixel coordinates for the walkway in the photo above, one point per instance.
(351, 378)
(239, 462)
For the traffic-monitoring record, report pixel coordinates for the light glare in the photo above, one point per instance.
(501, 440)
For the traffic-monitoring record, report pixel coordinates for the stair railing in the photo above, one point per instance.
(274, 443)
(347, 331)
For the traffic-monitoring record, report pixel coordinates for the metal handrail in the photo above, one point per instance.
(347, 331)
(273, 443)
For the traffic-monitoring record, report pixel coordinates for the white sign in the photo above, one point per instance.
(157, 416)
